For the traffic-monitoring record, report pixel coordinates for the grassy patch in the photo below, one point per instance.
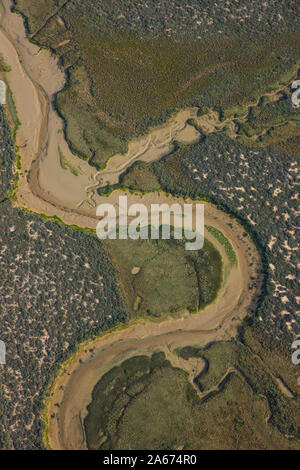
(147, 404)
(140, 175)
(272, 123)
(65, 164)
(12, 110)
(169, 278)
(3, 66)
(218, 235)
(260, 363)
(7, 156)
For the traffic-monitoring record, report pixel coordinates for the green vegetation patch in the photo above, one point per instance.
(7, 156)
(37, 12)
(160, 276)
(140, 176)
(260, 363)
(127, 72)
(3, 66)
(65, 164)
(154, 406)
(218, 235)
(273, 123)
